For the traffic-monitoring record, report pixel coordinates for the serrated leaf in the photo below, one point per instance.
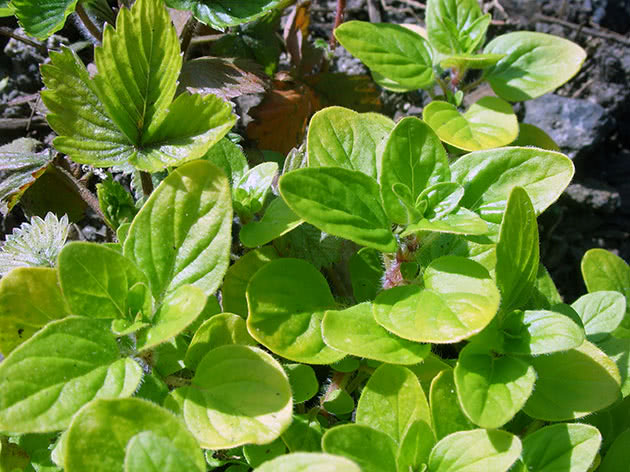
(30, 297)
(41, 18)
(341, 202)
(81, 361)
(228, 157)
(355, 332)
(391, 51)
(278, 219)
(489, 176)
(219, 14)
(288, 321)
(536, 63)
(187, 242)
(239, 395)
(372, 450)
(488, 123)
(339, 137)
(309, 462)
(456, 26)
(101, 434)
(19, 171)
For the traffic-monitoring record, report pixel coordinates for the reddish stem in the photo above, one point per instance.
(341, 9)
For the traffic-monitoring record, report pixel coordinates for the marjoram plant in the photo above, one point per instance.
(386, 311)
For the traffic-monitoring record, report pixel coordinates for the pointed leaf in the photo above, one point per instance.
(488, 123)
(41, 18)
(535, 64)
(219, 14)
(456, 26)
(182, 235)
(415, 446)
(341, 202)
(309, 462)
(81, 361)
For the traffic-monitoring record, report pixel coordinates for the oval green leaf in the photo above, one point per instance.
(372, 450)
(601, 313)
(341, 202)
(603, 270)
(488, 123)
(530, 135)
(239, 395)
(287, 299)
(150, 452)
(309, 462)
(471, 61)
(304, 383)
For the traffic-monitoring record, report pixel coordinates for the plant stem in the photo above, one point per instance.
(9, 33)
(341, 9)
(147, 183)
(474, 84)
(187, 34)
(88, 23)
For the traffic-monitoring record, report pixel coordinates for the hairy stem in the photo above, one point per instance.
(88, 23)
(341, 9)
(4, 31)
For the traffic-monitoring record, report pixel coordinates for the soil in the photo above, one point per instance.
(589, 116)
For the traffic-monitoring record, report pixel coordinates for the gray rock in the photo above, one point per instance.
(577, 126)
(594, 195)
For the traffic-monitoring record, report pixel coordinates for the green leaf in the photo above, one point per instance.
(220, 330)
(601, 313)
(390, 51)
(535, 332)
(41, 18)
(238, 276)
(287, 299)
(530, 135)
(489, 177)
(545, 293)
(30, 297)
(488, 123)
(415, 446)
(619, 351)
(355, 332)
(127, 113)
(395, 390)
(309, 462)
(182, 235)
(304, 434)
(252, 190)
(96, 280)
(491, 390)
(228, 157)
(479, 450)
(459, 300)
(341, 202)
(4, 8)
(602, 270)
(456, 26)
(179, 309)
(19, 171)
(338, 402)
(372, 450)
(470, 61)
(304, 384)
(81, 361)
(570, 447)
(239, 395)
(618, 455)
(104, 435)
(219, 14)
(116, 203)
(535, 64)
(339, 137)
(572, 384)
(414, 157)
(366, 274)
(150, 452)
(517, 251)
(442, 199)
(278, 219)
(446, 411)
(462, 222)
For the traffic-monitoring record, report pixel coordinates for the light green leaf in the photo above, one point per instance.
(239, 395)
(179, 309)
(150, 452)
(366, 273)
(462, 222)
(602, 270)
(479, 450)
(395, 390)
(442, 199)
(619, 351)
(287, 299)
(446, 411)
(415, 446)
(309, 462)
(355, 332)
(570, 447)
(489, 177)
(252, 190)
(228, 157)
(391, 51)
(219, 14)
(517, 251)
(456, 26)
(459, 300)
(41, 18)
(30, 297)
(470, 61)
(545, 291)
(65, 365)
(339, 137)
(238, 276)
(96, 280)
(372, 450)
(278, 219)
(488, 123)
(601, 312)
(535, 64)
(530, 135)
(535, 332)
(304, 384)
(414, 157)
(182, 235)
(220, 330)
(572, 384)
(341, 202)
(4, 8)
(106, 431)
(491, 390)
(304, 434)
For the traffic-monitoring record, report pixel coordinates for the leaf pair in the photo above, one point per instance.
(128, 112)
